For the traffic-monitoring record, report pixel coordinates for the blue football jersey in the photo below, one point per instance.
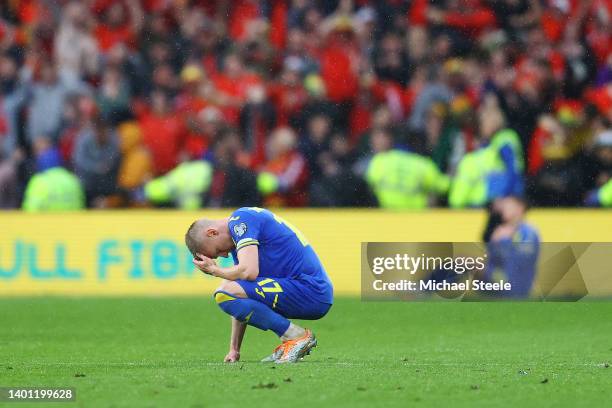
(515, 259)
(283, 251)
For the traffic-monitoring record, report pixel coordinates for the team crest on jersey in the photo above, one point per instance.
(240, 229)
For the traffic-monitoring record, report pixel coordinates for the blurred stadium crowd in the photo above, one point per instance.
(402, 104)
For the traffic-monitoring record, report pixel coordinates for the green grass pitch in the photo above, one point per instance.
(163, 352)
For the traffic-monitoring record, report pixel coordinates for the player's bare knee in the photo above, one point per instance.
(228, 290)
(230, 287)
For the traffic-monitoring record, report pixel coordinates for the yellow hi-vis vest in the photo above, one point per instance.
(55, 189)
(184, 185)
(469, 187)
(604, 194)
(403, 180)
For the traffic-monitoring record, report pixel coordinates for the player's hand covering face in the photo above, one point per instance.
(204, 263)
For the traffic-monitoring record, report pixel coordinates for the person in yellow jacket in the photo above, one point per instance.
(184, 186)
(602, 196)
(402, 179)
(495, 169)
(53, 188)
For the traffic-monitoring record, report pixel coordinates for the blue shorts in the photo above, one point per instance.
(291, 298)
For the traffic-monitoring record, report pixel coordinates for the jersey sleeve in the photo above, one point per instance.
(244, 228)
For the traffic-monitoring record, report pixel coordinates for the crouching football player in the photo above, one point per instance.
(276, 276)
